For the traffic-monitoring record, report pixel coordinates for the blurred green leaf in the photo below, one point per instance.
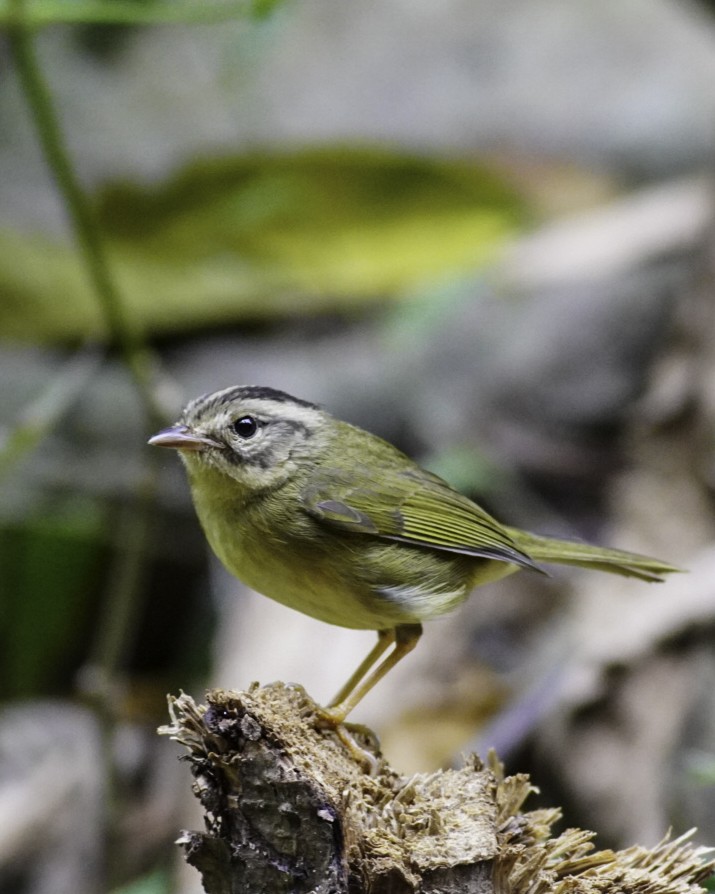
(415, 320)
(36, 13)
(466, 468)
(50, 569)
(259, 236)
(157, 882)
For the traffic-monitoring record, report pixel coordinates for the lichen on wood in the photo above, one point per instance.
(290, 806)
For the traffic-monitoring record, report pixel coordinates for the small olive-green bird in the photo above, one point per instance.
(333, 521)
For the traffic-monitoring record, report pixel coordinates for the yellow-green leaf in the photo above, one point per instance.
(253, 237)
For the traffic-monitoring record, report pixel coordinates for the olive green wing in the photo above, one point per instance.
(412, 506)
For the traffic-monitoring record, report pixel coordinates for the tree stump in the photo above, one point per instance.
(292, 806)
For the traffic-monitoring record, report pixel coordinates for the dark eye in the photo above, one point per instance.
(245, 427)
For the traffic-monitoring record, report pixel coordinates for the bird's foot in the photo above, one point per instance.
(368, 755)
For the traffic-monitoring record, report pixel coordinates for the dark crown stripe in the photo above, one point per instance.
(260, 392)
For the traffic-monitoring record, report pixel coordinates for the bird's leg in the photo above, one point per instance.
(385, 638)
(405, 637)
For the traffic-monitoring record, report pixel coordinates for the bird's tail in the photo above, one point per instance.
(615, 561)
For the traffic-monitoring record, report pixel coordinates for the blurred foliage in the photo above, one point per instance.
(260, 236)
(60, 565)
(35, 13)
(701, 766)
(40, 416)
(467, 468)
(157, 882)
(51, 564)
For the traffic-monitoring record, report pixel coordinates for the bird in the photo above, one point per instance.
(335, 522)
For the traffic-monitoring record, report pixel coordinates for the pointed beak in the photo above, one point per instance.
(180, 437)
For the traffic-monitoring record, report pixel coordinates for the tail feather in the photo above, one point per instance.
(614, 561)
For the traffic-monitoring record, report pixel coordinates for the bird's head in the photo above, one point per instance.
(257, 436)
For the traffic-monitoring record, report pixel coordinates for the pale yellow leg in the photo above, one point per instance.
(405, 637)
(385, 638)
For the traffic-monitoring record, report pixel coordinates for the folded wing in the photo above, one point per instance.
(411, 506)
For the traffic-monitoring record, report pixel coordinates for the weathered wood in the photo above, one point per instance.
(292, 806)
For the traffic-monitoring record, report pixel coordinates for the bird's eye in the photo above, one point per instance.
(245, 427)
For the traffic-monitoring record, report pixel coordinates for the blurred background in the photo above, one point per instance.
(482, 230)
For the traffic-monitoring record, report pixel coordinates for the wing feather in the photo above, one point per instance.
(410, 507)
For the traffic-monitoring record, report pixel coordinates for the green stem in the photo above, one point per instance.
(126, 579)
(84, 225)
(41, 415)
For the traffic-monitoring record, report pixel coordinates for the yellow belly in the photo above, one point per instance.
(350, 580)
